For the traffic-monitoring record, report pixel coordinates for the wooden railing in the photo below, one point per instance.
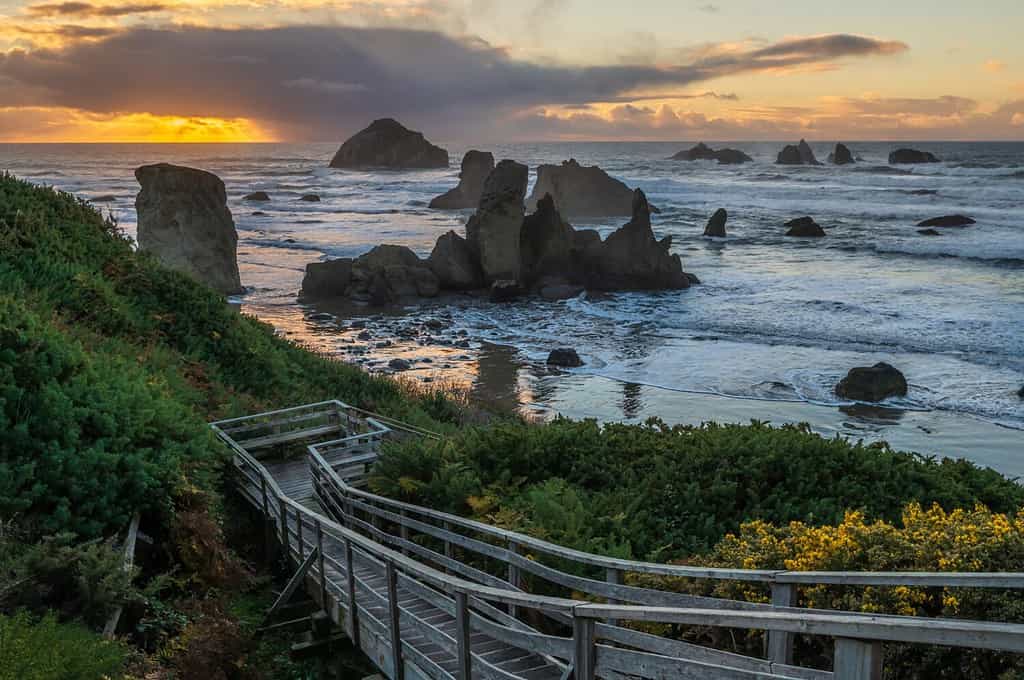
(444, 559)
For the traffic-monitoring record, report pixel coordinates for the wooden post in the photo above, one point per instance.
(613, 576)
(350, 579)
(780, 643)
(447, 544)
(285, 543)
(585, 654)
(268, 534)
(395, 626)
(320, 567)
(857, 660)
(298, 531)
(403, 530)
(464, 653)
(513, 577)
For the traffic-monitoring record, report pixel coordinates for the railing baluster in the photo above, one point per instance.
(350, 578)
(285, 542)
(464, 653)
(268, 534)
(298, 532)
(780, 643)
(395, 626)
(857, 660)
(585, 650)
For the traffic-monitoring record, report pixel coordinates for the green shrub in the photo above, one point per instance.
(48, 650)
(659, 491)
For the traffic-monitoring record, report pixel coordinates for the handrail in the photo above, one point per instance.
(857, 635)
(1008, 580)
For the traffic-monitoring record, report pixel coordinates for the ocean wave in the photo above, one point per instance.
(284, 243)
(882, 170)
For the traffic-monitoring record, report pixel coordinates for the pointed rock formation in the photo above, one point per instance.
(183, 219)
(386, 143)
(841, 155)
(716, 225)
(476, 166)
(799, 154)
(703, 152)
(493, 231)
(581, 191)
(632, 259)
(547, 245)
(911, 156)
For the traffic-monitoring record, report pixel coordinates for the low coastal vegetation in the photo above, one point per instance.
(111, 365)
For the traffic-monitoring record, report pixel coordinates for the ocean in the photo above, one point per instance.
(774, 325)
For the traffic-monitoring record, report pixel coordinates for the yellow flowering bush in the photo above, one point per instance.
(926, 539)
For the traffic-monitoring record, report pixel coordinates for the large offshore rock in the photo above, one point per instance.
(703, 152)
(454, 263)
(911, 156)
(947, 221)
(841, 155)
(476, 166)
(804, 227)
(493, 231)
(183, 219)
(386, 143)
(799, 154)
(632, 259)
(872, 383)
(581, 191)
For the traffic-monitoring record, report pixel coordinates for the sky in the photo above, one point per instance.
(466, 71)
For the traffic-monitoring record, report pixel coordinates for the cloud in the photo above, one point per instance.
(947, 105)
(299, 80)
(1017, 120)
(67, 31)
(709, 8)
(87, 9)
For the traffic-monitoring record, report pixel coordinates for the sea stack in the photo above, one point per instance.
(841, 155)
(911, 156)
(703, 152)
(386, 143)
(493, 230)
(797, 154)
(581, 191)
(716, 225)
(804, 227)
(476, 165)
(183, 219)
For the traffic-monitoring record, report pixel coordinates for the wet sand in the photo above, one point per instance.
(438, 351)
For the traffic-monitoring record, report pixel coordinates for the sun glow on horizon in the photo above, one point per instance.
(74, 126)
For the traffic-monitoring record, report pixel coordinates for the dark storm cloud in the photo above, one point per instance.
(322, 82)
(87, 9)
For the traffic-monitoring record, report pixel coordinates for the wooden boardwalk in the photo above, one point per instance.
(432, 595)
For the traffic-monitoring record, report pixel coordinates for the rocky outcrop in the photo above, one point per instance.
(504, 290)
(703, 152)
(947, 221)
(804, 227)
(257, 196)
(632, 259)
(183, 219)
(386, 143)
(873, 383)
(564, 356)
(454, 263)
(928, 232)
(841, 155)
(716, 225)
(476, 166)
(547, 245)
(493, 231)
(581, 191)
(798, 154)
(310, 198)
(326, 279)
(384, 275)
(910, 156)
(1021, 393)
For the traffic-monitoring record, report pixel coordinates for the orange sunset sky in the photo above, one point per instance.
(492, 70)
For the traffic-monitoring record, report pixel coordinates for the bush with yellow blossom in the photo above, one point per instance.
(929, 539)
